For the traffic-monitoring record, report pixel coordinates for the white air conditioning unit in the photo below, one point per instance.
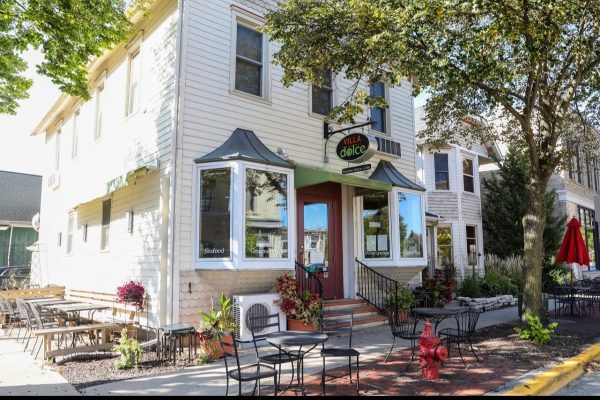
(252, 305)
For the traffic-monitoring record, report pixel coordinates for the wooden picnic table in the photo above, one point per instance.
(76, 309)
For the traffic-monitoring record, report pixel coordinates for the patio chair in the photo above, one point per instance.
(246, 373)
(41, 323)
(467, 322)
(259, 327)
(14, 316)
(402, 330)
(26, 319)
(339, 325)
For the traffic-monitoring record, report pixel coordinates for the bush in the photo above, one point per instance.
(534, 330)
(553, 274)
(131, 352)
(471, 286)
(496, 284)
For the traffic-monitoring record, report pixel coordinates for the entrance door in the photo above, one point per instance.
(319, 233)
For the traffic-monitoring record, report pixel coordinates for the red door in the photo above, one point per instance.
(319, 233)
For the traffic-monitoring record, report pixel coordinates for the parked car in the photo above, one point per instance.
(14, 277)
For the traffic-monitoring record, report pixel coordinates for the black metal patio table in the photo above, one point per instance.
(167, 336)
(291, 342)
(437, 314)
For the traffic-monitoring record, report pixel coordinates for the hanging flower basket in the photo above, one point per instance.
(131, 293)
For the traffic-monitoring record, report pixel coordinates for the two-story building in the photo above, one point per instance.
(454, 221)
(193, 169)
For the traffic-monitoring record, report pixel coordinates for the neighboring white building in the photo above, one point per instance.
(195, 171)
(454, 220)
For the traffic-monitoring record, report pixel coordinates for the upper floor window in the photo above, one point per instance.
(249, 61)
(468, 181)
(322, 95)
(99, 110)
(378, 114)
(70, 228)
(442, 176)
(133, 82)
(75, 143)
(106, 206)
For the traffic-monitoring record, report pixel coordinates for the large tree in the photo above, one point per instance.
(504, 204)
(528, 67)
(67, 33)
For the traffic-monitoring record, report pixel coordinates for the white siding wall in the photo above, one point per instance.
(126, 144)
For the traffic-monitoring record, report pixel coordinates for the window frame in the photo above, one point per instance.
(71, 224)
(437, 244)
(447, 172)
(137, 52)
(105, 245)
(99, 108)
(250, 22)
(75, 139)
(387, 131)
(390, 228)
(472, 176)
(467, 237)
(333, 98)
(57, 139)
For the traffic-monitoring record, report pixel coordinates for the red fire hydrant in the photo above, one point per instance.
(430, 353)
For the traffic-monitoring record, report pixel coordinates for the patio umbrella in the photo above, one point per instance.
(572, 249)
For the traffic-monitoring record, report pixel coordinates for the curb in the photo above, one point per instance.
(553, 379)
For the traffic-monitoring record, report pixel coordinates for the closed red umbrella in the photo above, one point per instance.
(573, 248)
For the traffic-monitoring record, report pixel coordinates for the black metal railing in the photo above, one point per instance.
(307, 280)
(373, 286)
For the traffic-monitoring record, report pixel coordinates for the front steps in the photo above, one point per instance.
(365, 315)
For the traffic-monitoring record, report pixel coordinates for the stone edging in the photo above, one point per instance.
(553, 379)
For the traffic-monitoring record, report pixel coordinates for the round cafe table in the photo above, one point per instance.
(437, 314)
(292, 343)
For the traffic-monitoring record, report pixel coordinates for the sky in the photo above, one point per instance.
(19, 151)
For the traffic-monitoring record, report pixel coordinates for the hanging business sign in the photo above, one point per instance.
(356, 147)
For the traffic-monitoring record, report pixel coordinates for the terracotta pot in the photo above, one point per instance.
(212, 348)
(298, 325)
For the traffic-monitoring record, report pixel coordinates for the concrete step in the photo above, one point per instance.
(360, 323)
(343, 304)
(365, 315)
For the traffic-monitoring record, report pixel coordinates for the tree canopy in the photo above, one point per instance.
(68, 34)
(529, 68)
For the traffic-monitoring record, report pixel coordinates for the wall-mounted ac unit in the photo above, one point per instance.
(251, 305)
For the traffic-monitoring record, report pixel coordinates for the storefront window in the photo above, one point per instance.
(266, 215)
(444, 245)
(215, 213)
(376, 225)
(411, 225)
(587, 218)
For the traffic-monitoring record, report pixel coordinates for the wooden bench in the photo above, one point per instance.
(99, 335)
(55, 291)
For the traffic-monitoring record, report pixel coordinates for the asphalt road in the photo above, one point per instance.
(587, 385)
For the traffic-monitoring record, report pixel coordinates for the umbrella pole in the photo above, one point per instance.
(572, 292)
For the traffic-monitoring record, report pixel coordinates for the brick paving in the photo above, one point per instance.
(391, 379)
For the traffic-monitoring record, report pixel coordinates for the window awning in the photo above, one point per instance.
(306, 176)
(386, 172)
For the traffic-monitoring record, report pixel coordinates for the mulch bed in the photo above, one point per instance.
(504, 358)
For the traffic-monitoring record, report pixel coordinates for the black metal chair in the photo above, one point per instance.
(340, 324)
(260, 327)
(14, 316)
(402, 329)
(246, 373)
(467, 322)
(42, 323)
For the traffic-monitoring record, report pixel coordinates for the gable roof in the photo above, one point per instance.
(20, 196)
(386, 172)
(244, 145)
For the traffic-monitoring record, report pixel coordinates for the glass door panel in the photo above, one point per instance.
(316, 233)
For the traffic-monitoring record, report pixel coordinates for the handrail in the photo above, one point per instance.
(373, 286)
(307, 280)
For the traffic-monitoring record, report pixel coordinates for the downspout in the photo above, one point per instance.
(173, 283)
(9, 245)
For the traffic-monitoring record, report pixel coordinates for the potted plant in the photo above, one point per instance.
(400, 299)
(219, 319)
(132, 292)
(301, 309)
(439, 288)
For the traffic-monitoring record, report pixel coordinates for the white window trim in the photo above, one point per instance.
(237, 220)
(75, 134)
(72, 231)
(253, 23)
(396, 260)
(57, 149)
(465, 157)
(477, 243)
(388, 115)
(106, 249)
(334, 98)
(361, 230)
(98, 132)
(135, 51)
(434, 172)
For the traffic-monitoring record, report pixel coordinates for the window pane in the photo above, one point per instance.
(99, 105)
(215, 213)
(441, 181)
(249, 43)
(471, 244)
(134, 83)
(378, 115)
(70, 232)
(376, 225)
(378, 90)
(411, 225)
(321, 100)
(468, 184)
(75, 136)
(106, 205)
(248, 77)
(444, 241)
(467, 166)
(266, 214)
(441, 162)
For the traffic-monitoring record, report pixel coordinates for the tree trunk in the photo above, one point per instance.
(534, 222)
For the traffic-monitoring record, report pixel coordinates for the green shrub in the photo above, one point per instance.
(534, 330)
(496, 284)
(131, 352)
(471, 286)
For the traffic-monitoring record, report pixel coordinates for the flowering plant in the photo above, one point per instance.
(304, 305)
(131, 292)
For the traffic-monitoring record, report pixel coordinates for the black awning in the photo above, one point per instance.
(244, 145)
(386, 172)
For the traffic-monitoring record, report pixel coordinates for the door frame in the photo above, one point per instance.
(330, 193)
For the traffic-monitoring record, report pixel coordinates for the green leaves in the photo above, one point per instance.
(534, 330)
(68, 33)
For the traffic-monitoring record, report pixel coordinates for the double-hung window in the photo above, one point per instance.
(75, 142)
(442, 176)
(99, 111)
(249, 64)
(322, 95)
(444, 245)
(70, 228)
(471, 233)
(104, 234)
(468, 180)
(378, 114)
(57, 151)
(133, 82)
